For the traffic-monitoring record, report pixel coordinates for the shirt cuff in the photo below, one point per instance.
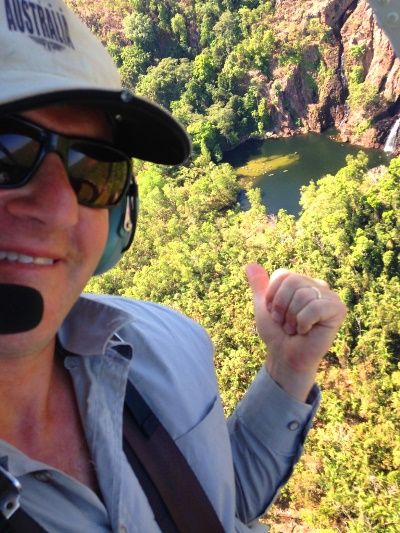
(274, 417)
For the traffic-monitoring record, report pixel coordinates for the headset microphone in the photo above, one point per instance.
(21, 308)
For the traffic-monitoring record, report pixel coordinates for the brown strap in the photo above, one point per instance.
(161, 514)
(166, 466)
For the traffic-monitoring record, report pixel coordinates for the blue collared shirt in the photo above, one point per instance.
(241, 464)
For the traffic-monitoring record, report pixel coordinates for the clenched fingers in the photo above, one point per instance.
(298, 303)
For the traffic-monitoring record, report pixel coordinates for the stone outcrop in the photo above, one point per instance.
(349, 77)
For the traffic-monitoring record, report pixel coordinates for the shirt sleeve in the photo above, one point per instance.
(267, 432)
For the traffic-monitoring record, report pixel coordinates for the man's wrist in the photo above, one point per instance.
(296, 384)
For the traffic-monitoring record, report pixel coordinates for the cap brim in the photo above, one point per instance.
(142, 128)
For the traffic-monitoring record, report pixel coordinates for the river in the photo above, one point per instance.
(280, 167)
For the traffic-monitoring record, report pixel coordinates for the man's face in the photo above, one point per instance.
(43, 220)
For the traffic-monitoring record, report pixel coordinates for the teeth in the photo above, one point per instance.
(25, 259)
(43, 261)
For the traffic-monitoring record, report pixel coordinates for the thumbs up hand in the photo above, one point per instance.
(297, 317)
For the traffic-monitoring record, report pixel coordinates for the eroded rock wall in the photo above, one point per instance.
(356, 73)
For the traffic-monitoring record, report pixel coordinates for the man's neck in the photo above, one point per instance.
(39, 414)
(26, 383)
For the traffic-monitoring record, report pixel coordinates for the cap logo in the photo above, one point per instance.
(44, 25)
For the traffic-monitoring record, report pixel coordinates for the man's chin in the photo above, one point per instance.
(25, 345)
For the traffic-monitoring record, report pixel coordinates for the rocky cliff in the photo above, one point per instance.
(348, 78)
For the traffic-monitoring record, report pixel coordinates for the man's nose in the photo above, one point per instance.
(48, 197)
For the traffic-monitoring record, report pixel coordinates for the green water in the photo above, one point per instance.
(280, 167)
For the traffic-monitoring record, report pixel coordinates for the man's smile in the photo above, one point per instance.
(15, 257)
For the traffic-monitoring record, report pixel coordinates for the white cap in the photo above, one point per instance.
(49, 56)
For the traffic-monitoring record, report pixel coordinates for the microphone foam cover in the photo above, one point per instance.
(21, 308)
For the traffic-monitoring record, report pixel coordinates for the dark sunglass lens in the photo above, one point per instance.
(98, 174)
(18, 154)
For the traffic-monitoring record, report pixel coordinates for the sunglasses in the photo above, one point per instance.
(98, 173)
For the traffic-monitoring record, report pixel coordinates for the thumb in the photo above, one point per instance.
(258, 280)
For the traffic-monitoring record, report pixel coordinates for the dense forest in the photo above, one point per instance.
(209, 63)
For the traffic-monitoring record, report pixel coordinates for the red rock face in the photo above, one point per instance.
(355, 41)
(381, 67)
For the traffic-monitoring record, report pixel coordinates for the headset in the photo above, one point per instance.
(121, 228)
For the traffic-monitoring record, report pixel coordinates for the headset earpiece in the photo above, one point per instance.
(122, 225)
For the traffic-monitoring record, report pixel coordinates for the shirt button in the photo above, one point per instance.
(293, 425)
(43, 476)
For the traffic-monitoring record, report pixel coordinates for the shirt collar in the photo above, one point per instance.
(91, 325)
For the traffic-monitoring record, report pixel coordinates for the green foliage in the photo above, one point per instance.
(357, 51)
(232, 79)
(318, 31)
(140, 6)
(291, 54)
(204, 67)
(325, 74)
(114, 48)
(226, 32)
(139, 29)
(262, 115)
(208, 14)
(164, 17)
(250, 16)
(356, 75)
(166, 81)
(363, 126)
(361, 93)
(204, 136)
(135, 61)
(257, 49)
(178, 27)
(349, 232)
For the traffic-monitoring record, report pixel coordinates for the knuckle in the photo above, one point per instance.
(292, 282)
(302, 296)
(278, 275)
(322, 283)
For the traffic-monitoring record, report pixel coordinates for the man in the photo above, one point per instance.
(67, 210)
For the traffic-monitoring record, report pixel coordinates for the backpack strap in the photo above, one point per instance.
(168, 476)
